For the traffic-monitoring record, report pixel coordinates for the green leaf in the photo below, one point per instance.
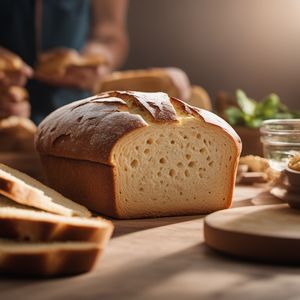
(254, 123)
(246, 104)
(234, 115)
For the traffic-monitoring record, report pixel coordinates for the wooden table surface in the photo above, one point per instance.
(166, 258)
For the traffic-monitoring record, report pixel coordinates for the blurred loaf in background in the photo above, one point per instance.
(172, 81)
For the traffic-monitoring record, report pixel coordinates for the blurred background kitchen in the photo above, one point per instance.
(222, 45)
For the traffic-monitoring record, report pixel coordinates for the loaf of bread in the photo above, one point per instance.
(56, 61)
(172, 81)
(199, 97)
(10, 63)
(23, 223)
(25, 190)
(17, 134)
(14, 102)
(133, 155)
(47, 259)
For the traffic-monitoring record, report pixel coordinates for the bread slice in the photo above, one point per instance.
(22, 223)
(25, 190)
(47, 259)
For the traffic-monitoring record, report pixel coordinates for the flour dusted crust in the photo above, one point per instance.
(134, 154)
(88, 129)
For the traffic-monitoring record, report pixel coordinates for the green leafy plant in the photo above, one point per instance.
(251, 113)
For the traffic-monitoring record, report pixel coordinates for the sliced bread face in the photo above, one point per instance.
(47, 259)
(174, 169)
(25, 190)
(24, 224)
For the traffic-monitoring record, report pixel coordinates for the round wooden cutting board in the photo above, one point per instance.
(269, 233)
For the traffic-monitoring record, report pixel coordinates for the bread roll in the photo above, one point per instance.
(56, 61)
(133, 155)
(17, 134)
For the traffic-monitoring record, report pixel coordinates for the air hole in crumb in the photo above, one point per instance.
(150, 141)
(188, 145)
(172, 142)
(211, 163)
(188, 156)
(205, 142)
(146, 151)
(134, 163)
(209, 192)
(172, 173)
(180, 164)
(141, 189)
(126, 200)
(180, 193)
(198, 136)
(223, 199)
(162, 160)
(136, 147)
(125, 169)
(209, 142)
(186, 173)
(191, 164)
(159, 174)
(208, 158)
(202, 150)
(53, 129)
(230, 157)
(200, 175)
(185, 137)
(79, 119)
(161, 182)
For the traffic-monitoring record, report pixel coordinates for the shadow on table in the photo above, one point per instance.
(123, 227)
(133, 280)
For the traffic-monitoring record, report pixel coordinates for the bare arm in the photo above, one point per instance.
(108, 34)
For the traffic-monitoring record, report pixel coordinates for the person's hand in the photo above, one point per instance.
(13, 71)
(14, 101)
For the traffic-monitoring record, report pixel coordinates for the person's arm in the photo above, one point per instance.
(108, 40)
(108, 34)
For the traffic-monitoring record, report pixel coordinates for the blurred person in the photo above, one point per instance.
(32, 27)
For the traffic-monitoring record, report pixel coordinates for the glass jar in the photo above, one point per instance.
(281, 141)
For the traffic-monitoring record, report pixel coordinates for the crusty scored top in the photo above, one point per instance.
(88, 129)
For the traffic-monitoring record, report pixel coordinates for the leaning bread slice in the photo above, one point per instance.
(25, 190)
(22, 223)
(47, 259)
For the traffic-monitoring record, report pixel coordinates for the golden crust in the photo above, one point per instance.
(88, 129)
(59, 260)
(58, 60)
